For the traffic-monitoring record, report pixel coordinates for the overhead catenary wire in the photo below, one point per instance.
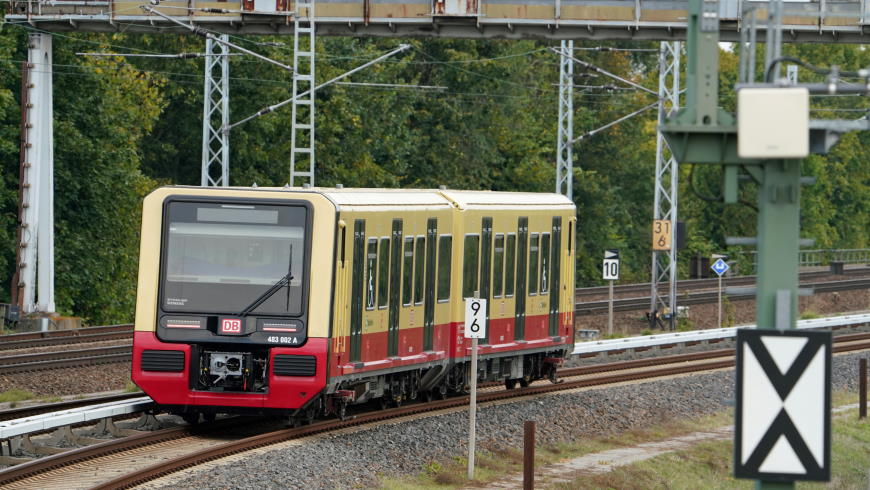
(162, 55)
(590, 66)
(272, 108)
(199, 31)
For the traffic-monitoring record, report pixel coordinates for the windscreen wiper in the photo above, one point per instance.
(284, 281)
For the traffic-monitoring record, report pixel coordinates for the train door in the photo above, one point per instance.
(429, 299)
(486, 267)
(395, 282)
(522, 258)
(555, 272)
(357, 278)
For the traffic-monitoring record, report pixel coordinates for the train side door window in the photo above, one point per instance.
(545, 262)
(383, 272)
(498, 266)
(371, 273)
(510, 265)
(419, 269)
(407, 271)
(445, 251)
(533, 263)
(471, 257)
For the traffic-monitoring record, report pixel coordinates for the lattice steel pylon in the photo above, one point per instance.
(302, 134)
(564, 148)
(663, 294)
(216, 115)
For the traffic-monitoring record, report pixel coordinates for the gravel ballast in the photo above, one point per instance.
(358, 459)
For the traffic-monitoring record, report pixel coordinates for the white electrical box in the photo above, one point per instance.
(773, 122)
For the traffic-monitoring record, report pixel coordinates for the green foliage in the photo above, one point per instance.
(126, 125)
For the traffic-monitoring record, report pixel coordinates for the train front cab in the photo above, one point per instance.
(211, 331)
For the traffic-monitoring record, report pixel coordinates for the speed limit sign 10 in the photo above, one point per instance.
(475, 318)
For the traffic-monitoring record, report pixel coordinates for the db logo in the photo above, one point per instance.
(231, 325)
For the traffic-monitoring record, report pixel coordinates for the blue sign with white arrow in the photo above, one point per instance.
(720, 267)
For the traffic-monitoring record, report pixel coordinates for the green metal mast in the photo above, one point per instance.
(704, 133)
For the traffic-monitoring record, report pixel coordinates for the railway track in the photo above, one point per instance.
(65, 359)
(65, 337)
(695, 284)
(705, 297)
(186, 448)
(113, 354)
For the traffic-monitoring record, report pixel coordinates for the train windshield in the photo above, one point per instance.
(218, 258)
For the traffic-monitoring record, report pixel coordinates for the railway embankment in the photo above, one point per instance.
(363, 458)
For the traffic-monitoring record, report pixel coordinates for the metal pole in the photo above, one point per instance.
(778, 238)
(719, 322)
(37, 237)
(564, 145)
(472, 409)
(664, 263)
(528, 455)
(216, 115)
(862, 389)
(610, 308)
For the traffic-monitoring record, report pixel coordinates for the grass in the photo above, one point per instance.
(705, 465)
(16, 395)
(810, 315)
(130, 387)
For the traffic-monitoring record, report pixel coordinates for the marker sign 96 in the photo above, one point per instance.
(475, 318)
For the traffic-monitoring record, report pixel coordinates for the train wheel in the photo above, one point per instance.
(510, 383)
(442, 392)
(191, 418)
(208, 417)
(342, 411)
(384, 402)
(524, 381)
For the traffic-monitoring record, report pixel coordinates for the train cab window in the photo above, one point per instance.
(384, 273)
(498, 266)
(545, 262)
(510, 265)
(471, 257)
(533, 263)
(419, 258)
(371, 273)
(445, 252)
(221, 256)
(407, 271)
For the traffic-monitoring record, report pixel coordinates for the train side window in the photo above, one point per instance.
(545, 262)
(419, 267)
(384, 273)
(343, 248)
(498, 265)
(445, 252)
(407, 271)
(470, 260)
(533, 263)
(510, 265)
(570, 236)
(371, 274)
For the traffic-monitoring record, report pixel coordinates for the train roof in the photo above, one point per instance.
(349, 197)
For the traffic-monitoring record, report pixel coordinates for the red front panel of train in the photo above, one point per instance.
(163, 372)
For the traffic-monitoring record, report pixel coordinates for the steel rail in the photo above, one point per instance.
(705, 297)
(63, 359)
(65, 340)
(710, 283)
(72, 332)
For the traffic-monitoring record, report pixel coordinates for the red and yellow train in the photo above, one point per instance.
(309, 300)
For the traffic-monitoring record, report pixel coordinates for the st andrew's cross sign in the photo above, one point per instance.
(783, 411)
